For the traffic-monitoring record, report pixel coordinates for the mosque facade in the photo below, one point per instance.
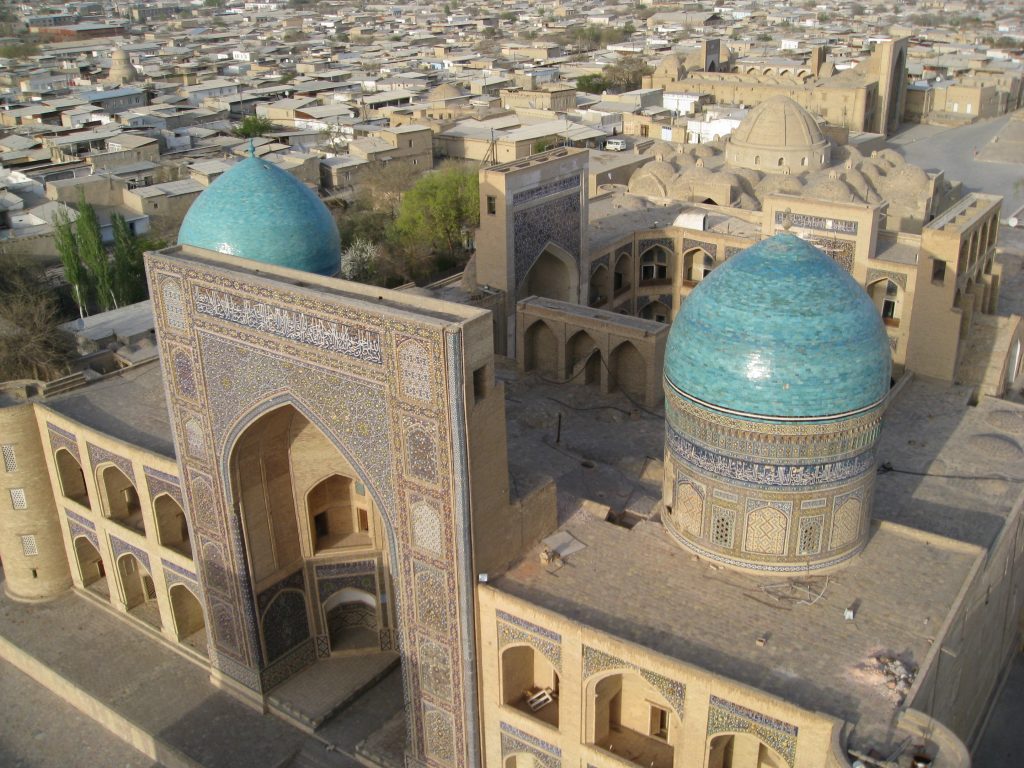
(317, 468)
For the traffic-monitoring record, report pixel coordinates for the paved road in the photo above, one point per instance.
(38, 730)
(952, 150)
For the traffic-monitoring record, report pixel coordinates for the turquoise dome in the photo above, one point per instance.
(779, 330)
(257, 211)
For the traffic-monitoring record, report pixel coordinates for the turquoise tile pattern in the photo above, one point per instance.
(258, 211)
(780, 330)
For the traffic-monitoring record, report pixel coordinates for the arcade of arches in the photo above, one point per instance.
(566, 343)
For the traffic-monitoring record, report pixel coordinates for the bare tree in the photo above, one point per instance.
(32, 346)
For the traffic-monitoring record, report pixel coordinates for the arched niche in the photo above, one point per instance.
(622, 278)
(541, 350)
(888, 299)
(353, 620)
(121, 499)
(71, 477)
(629, 718)
(285, 473)
(583, 359)
(697, 264)
(138, 590)
(90, 566)
(627, 371)
(553, 276)
(529, 683)
(189, 619)
(741, 750)
(654, 265)
(657, 311)
(600, 286)
(171, 526)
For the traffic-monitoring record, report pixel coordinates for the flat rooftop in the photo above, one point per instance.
(927, 534)
(128, 405)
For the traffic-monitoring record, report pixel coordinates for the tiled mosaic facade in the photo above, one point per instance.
(547, 214)
(817, 223)
(514, 631)
(726, 717)
(515, 741)
(768, 495)
(61, 438)
(368, 381)
(596, 662)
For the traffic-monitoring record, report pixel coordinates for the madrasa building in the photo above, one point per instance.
(637, 543)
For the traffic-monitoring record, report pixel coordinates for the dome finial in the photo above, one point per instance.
(787, 219)
(252, 147)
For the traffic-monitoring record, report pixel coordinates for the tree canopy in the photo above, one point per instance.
(440, 208)
(32, 346)
(626, 74)
(253, 126)
(591, 84)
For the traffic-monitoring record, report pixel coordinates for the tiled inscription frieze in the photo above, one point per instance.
(758, 474)
(819, 223)
(544, 190)
(330, 335)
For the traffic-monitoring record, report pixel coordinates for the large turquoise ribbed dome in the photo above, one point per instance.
(779, 330)
(259, 212)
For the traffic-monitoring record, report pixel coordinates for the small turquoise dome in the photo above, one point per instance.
(779, 330)
(257, 211)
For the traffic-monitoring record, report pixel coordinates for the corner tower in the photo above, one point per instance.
(776, 374)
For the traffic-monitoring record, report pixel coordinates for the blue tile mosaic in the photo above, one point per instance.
(780, 330)
(258, 211)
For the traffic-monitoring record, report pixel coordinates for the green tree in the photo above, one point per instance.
(252, 126)
(74, 272)
(129, 273)
(439, 208)
(591, 84)
(19, 51)
(93, 255)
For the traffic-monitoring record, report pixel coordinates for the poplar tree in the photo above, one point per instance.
(94, 255)
(128, 270)
(74, 272)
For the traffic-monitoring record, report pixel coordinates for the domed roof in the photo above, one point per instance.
(258, 211)
(778, 123)
(781, 331)
(444, 92)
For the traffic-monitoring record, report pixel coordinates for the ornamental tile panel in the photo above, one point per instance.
(595, 662)
(727, 717)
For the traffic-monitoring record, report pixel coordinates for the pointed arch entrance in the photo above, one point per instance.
(554, 275)
(313, 538)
